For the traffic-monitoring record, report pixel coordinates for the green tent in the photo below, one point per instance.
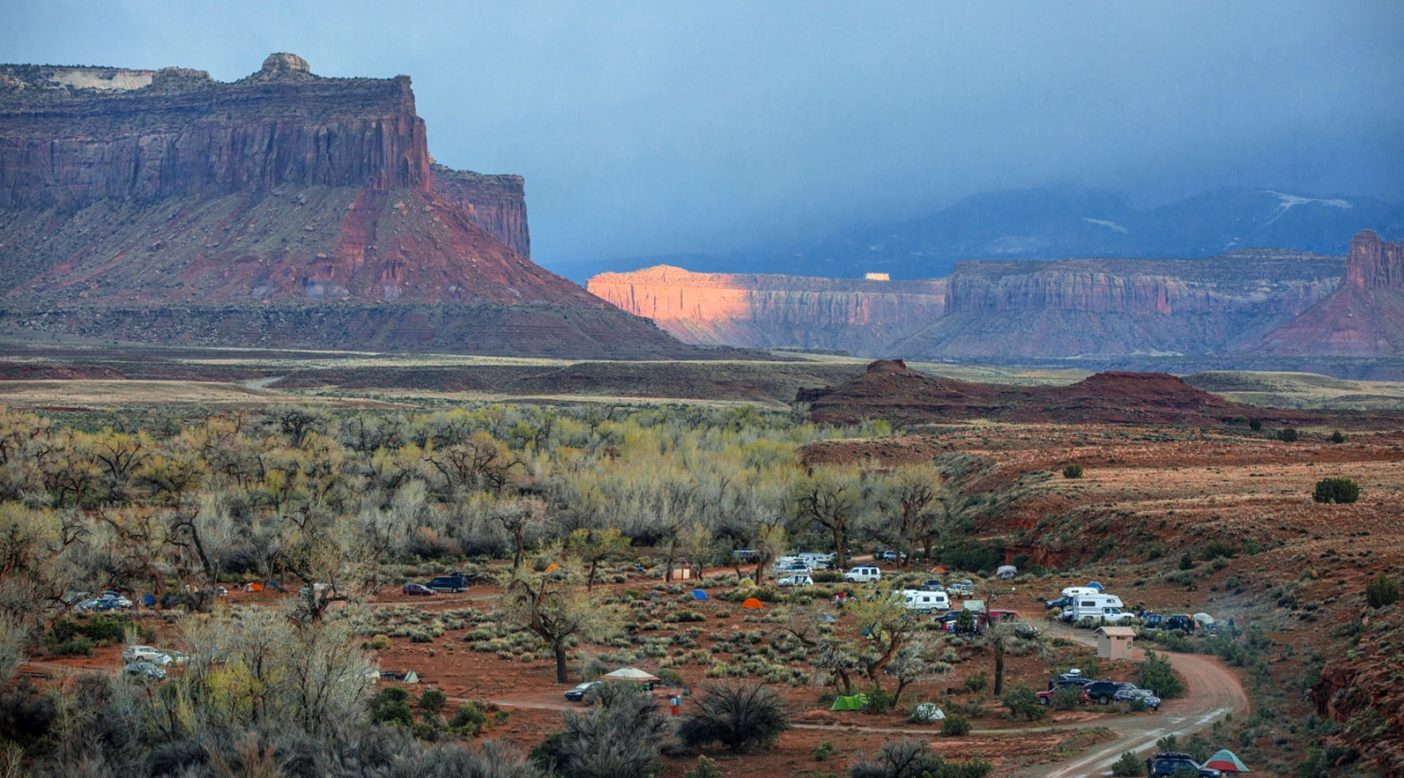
(857, 701)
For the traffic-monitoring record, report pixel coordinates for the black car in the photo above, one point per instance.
(582, 692)
(453, 582)
(1101, 691)
(1168, 763)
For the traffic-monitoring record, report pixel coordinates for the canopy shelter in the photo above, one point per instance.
(698, 594)
(857, 701)
(1204, 619)
(752, 604)
(630, 674)
(1226, 761)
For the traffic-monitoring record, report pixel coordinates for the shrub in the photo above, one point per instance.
(1128, 765)
(1337, 437)
(1067, 698)
(739, 717)
(1186, 561)
(914, 759)
(469, 719)
(975, 683)
(706, 768)
(879, 700)
(618, 737)
(823, 751)
(1287, 435)
(1337, 490)
(432, 700)
(1157, 675)
(955, 726)
(1381, 591)
(391, 706)
(1021, 701)
(1255, 424)
(1215, 549)
(1072, 471)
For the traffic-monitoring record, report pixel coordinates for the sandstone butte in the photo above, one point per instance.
(282, 209)
(993, 309)
(768, 311)
(1363, 317)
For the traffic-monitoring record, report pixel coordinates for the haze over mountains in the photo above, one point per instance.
(1056, 222)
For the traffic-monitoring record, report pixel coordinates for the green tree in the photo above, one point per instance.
(1382, 591)
(1022, 702)
(1156, 674)
(557, 609)
(1336, 490)
(594, 546)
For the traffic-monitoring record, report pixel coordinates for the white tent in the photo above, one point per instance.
(1007, 571)
(629, 674)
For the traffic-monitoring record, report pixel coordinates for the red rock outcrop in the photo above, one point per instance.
(1364, 317)
(769, 311)
(284, 208)
(497, 203)
(892, 391)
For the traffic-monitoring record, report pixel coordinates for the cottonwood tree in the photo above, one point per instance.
(556, 608)
(884, 625)
(830, 498)
(770, 541)
(910, 497)
(911, 663)
(593, 546)
(517, 517)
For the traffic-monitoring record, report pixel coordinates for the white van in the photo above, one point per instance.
(863, 574)
(1104, 608)
(923, 601)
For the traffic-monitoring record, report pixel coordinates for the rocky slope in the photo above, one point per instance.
(764, 311)
(1364, 317)
(281, 209)
(1107, 308)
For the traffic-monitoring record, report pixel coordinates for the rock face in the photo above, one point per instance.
(284, 208)
(1099, 307)
(1364, 317)
(767, 311)
(495, 203)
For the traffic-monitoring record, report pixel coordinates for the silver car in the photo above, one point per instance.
(146, 671)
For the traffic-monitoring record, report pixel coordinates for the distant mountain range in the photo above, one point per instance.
(1057, 222)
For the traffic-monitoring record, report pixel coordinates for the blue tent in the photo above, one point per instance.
(1096, 585)
(698, 594)
(148, 600)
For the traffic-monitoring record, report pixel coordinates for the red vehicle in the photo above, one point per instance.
(998, 615)
(418, 590)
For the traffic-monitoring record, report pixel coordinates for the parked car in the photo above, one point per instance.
(1060, 603)
(581, 692)
(132, 654)
(863, 574)
(418, 590)
(964, 587)
(104, 602)
(1146, 696)
(798, 579)
(1103, 692)
(1168, 763)
(1182, 622)
(148, 671)
(891, 556)
(453, 582)
(1072, 678)
(1004, 614)
(746, 555)
(933, 585)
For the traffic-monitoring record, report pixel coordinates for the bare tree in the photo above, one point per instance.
(556, 608)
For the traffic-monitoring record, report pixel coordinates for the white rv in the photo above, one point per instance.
(1104, 608)
(924, 601)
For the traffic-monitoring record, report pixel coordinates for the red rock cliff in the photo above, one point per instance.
(1364, 317)
(497, 203)
(70, 136)
(769, 311)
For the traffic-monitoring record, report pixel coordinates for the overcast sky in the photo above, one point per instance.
(668, 127)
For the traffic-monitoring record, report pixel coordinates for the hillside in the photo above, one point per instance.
(281, 209)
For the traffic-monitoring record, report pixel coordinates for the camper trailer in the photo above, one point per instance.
(1104, 608)
(923, 601)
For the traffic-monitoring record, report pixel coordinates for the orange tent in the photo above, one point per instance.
(553, 567)
(752, 603)
(254, 587)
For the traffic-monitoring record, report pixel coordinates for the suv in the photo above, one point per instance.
(1101, 691)
(453, 582)
(1130, 693)
(964, 587)
(891, 556)
(746, 555)
(799, 579)
(863, 574)
(933, 585)
(1168, 763)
